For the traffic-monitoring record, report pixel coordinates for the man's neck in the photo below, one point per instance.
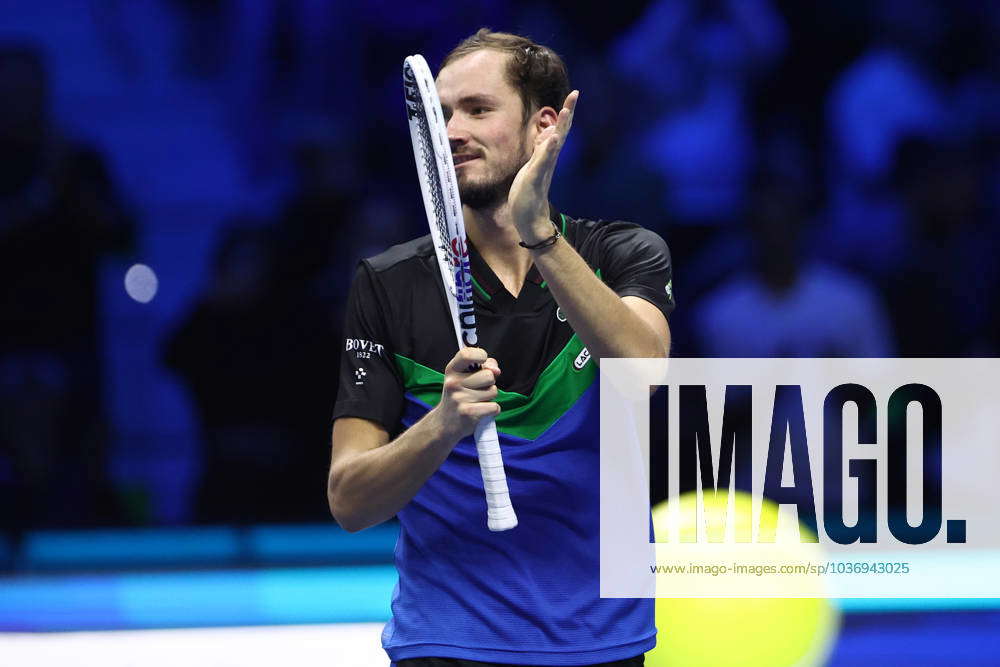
(493, 233)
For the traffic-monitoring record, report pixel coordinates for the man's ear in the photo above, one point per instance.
(546, 117)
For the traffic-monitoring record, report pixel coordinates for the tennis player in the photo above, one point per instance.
(554, 294)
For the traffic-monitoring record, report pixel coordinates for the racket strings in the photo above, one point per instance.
(430, 164)
(429, 160)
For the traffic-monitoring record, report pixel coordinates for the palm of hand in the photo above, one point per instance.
(529, 193)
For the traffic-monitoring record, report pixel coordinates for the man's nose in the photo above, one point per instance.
(456, 133)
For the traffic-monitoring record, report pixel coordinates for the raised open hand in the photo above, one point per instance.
(529, 193)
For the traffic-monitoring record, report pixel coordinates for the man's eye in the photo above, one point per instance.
(478, 110)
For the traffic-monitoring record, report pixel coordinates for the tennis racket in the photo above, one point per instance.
(439, 187)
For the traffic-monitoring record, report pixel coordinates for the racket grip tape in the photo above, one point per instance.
(500, 514)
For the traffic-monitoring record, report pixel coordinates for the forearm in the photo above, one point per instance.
(372, 486)
(605, 324)
(603, 321)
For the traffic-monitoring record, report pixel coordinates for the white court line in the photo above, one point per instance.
(334, 645)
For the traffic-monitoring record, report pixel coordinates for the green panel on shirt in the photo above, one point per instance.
(559, 386)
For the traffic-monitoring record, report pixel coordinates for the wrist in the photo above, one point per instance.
(440, 430)
(538, 230)
(541, 237)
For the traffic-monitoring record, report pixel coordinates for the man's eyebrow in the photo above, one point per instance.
(470, 100)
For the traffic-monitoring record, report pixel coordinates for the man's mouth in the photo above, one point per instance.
(462, 158)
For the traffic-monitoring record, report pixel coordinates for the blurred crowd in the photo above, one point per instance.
(826, 175)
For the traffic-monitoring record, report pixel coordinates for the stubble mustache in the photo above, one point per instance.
(492, 190)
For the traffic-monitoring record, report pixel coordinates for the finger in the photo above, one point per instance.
(480, 379)
(480, 410)
(492, 364)
(567, 113)
(547, 162)
(478, 395)
(466, 360)
(551, 140)
(541, 164)
(542, 158)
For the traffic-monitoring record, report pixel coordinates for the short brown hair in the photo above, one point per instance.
(536, 72)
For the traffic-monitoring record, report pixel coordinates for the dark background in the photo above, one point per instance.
(825, 173)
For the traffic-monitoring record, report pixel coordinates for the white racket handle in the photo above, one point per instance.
(499, 510)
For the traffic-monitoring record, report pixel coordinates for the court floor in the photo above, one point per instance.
(902, 638)
(260, 596)
(340, 644)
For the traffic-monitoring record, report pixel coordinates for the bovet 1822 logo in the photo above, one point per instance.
(364, 349)
(582, 359)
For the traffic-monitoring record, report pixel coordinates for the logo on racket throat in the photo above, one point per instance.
(463, 290)
(412, 95)
(459, 252)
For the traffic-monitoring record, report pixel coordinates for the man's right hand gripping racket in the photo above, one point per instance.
(439, 188)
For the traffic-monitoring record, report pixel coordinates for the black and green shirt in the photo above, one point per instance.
(528, 595)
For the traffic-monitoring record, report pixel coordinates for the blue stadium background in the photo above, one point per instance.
(826, 174)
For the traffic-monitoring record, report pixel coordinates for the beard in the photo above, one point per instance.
(492, 189)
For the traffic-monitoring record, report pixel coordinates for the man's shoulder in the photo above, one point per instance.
(585, 227)
(399, 256)
(590, 234)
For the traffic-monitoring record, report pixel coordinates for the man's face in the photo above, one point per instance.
(486, 128)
